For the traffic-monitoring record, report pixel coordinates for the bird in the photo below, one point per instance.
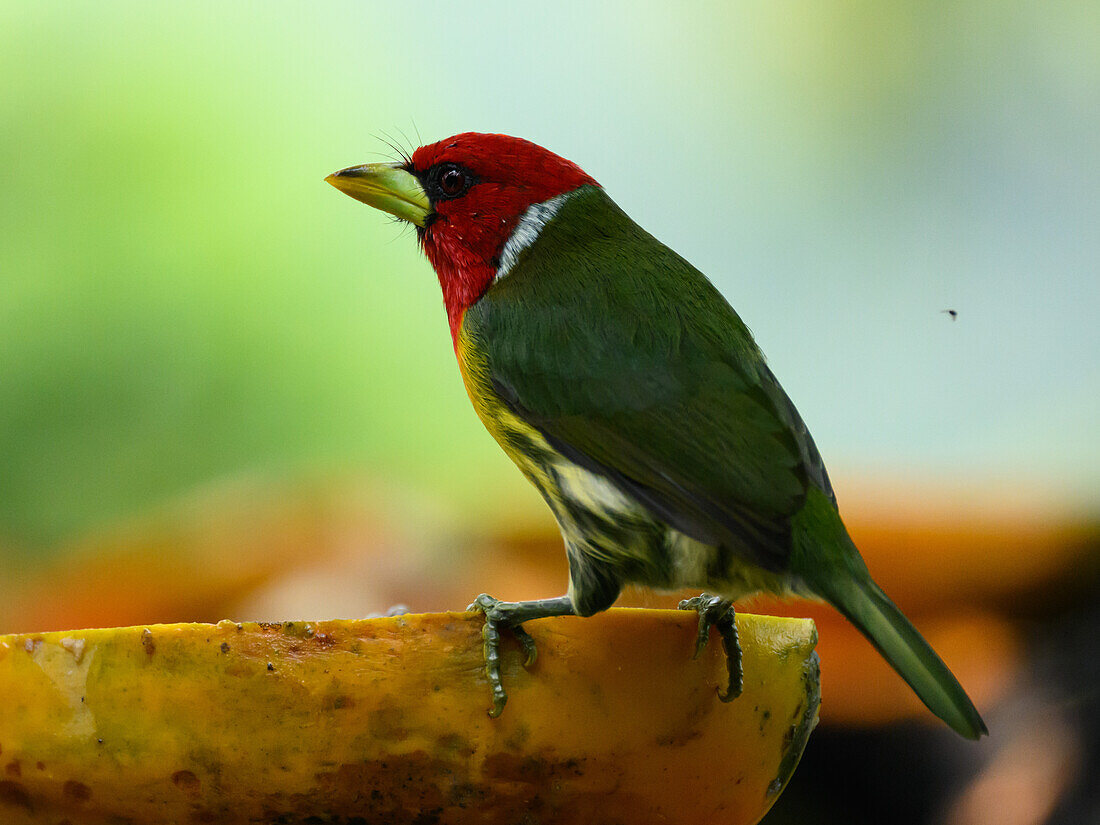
(630, 393)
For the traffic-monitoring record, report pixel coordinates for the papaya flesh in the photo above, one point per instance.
(385, 721)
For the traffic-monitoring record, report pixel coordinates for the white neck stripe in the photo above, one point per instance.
(527, 231)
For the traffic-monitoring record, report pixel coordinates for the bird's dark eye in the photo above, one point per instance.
(452, 182)
(448, 180)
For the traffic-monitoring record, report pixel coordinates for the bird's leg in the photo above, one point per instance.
(510, 616)
(714, 611)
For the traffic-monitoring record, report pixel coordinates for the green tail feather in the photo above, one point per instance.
(829, 564)
(869, 609)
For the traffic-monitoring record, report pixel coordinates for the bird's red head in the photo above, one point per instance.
(466, 195)
(479, 186)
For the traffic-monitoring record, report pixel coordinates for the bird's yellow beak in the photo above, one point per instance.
(385, 186)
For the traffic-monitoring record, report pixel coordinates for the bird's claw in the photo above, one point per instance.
(716, 612)
(497, 619)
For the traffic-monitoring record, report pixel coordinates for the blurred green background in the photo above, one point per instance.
(182, 299)
(204, 348)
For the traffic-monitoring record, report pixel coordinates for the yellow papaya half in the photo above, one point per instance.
(385, 721)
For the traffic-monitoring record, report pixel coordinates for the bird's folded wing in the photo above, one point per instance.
(690, 433)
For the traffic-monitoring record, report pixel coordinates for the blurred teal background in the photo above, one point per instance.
(182, 299)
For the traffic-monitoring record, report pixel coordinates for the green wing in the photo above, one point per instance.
(630, 363)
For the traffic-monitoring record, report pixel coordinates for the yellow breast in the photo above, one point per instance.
(516, 437)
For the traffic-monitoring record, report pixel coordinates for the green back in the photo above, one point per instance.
(630, 362)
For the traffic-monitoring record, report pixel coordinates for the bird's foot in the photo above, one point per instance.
(501, 616)
(714, 611)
